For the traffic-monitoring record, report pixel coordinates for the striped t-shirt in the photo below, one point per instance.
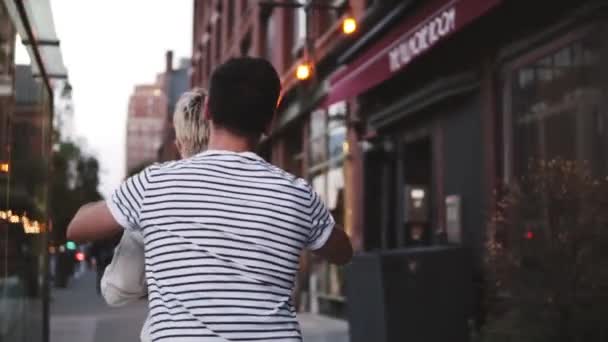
(223, 233)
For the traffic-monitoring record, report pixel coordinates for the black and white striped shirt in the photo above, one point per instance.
(223, 233)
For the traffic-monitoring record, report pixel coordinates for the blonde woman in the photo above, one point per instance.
(124, 279)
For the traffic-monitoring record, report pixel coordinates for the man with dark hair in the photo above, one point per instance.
(224, 229)
(243, 96)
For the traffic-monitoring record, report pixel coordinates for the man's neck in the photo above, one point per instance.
(224, 140)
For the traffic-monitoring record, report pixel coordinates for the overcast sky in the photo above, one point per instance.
(108, 47)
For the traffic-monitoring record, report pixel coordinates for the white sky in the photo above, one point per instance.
(108, 47)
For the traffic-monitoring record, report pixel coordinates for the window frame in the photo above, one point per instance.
(551, 43)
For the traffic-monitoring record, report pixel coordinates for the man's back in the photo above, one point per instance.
(223, 232)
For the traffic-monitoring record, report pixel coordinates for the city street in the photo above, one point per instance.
(79, 315)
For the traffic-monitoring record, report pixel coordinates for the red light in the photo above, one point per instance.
(79, 256)
(529, 235)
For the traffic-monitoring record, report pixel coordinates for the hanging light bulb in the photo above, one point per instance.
(303, 71)
(349, 25)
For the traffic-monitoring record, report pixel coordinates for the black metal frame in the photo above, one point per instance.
(296, 4)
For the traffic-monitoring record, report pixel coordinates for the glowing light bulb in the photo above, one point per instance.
(349, 25)
(303, 71)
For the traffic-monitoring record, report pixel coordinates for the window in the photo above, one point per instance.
(270, 36)
(557, 106)
(26, 133)
(329, 172)
(299, 27)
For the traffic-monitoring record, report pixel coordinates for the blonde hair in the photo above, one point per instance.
(191, 130)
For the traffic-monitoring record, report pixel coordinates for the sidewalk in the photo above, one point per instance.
(78, 314)
(317, 328)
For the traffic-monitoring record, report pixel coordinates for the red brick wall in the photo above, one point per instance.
(325, 32)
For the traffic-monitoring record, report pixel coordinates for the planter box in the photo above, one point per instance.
(418, 295)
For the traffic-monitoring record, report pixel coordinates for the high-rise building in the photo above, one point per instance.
(145, 123)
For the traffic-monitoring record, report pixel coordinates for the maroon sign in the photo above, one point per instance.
(412, 38)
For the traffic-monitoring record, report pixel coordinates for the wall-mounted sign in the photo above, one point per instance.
(433, 21)
(422, 39)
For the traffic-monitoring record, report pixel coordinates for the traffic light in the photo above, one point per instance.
(79, 256)
(70, 245)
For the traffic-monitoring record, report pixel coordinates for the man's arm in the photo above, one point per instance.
(93, 221)
(337, 249)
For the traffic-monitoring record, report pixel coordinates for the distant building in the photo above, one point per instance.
(176, 82)
(145, 122)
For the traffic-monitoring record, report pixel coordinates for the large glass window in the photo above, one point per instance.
(25, 137)
(329, 171)
(558, 106)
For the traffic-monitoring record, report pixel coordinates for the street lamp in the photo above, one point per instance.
(349, 26)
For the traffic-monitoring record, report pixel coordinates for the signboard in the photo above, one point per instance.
(416, 35)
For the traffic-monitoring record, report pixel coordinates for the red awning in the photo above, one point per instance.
(416, 35)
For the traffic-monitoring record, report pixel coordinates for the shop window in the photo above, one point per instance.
(558, 107)
(329, 172)
(25, 111)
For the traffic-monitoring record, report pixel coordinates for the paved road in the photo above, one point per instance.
(79, 315)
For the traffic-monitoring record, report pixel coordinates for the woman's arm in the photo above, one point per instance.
(124, 279)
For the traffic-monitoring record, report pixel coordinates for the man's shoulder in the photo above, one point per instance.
(296, 181)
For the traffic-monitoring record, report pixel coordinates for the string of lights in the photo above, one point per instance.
(29, 226)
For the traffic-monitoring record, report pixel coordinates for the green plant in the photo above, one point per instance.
(547, 256)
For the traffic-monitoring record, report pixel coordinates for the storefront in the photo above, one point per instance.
(27, 74)
(311, 142)
(422, 141)
(456, 99)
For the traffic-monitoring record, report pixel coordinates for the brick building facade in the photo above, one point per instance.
(145, 123)
(436, 101)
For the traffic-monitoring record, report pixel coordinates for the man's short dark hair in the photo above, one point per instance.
(243, 95)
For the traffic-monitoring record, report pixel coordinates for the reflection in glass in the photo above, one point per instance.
(559, 105)
(25, 135)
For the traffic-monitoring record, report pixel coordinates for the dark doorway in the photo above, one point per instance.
(416, 181)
